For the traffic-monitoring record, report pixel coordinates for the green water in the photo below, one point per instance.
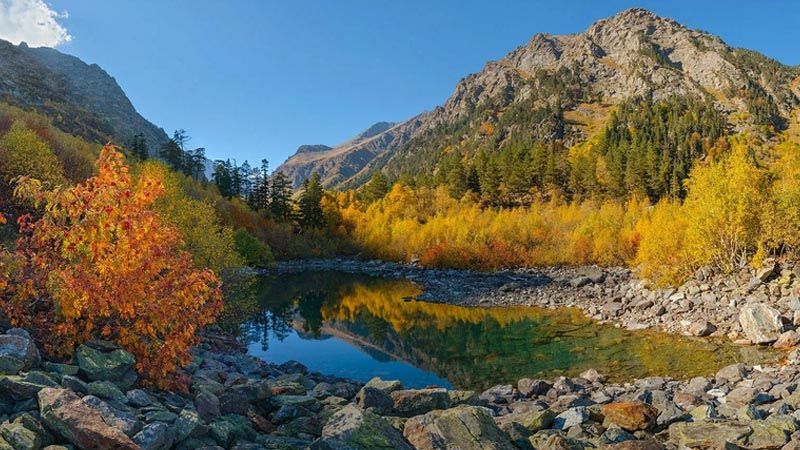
(358, 327)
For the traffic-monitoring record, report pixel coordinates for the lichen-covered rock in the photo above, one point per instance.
(155, 436)
(358, 429)
(463, 427)
(65, 414)
(707, 434)
(379, 400)
(101, 362)
(412, 402)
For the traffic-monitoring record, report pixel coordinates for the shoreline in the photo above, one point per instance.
(709, 305)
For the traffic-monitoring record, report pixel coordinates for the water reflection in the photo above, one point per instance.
(358, 327)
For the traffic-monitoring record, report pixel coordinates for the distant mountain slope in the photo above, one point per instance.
(559, 87)
(337, 164)
(82, 99)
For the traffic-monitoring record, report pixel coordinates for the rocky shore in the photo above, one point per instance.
(236, 401)
(748, 307)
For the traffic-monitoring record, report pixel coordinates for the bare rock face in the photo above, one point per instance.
(632, 54)
(760, 323)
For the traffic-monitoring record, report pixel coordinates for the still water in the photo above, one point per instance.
(359, 327)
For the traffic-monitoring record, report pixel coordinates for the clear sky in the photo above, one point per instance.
(252, 79)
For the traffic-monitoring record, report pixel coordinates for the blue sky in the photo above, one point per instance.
(252, 79)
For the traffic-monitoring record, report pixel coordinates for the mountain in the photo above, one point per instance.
(563, 88)
(337, 164)
(82, 99)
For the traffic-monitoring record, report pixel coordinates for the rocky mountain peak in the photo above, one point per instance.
(313, 148)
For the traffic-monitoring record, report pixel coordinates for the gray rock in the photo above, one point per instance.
(355, 428)
(154, 436)
(138, 398)
(462, 427)
(207, 405)
(760, 323)
(17, 353)
(100, 363)
(571, 417)
(380, 401)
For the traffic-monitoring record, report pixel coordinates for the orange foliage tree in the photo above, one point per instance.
(99, 263)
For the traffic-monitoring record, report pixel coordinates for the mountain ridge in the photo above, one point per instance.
(82, 99)
(633, 54)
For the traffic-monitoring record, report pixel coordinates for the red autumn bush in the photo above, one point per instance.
(100, 264)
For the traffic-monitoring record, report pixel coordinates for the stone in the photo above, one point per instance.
(463, 427)
(644, 444)
(413, 402)
(631, 416)
(702, 328)
(207, 405)
(708, 434)
(75, 384)
(189, 424)
(767, 270)
(385, 386)
(116, 366)
(529, 388)
(760, 323)
(592, 375)
(19, 437)
(108, 391)
(787, 340)
(731, 374)
(17, 353)
(154, 436)
(740, 396)
(380, 401)
(138, 398)
(581, 281)
(533, 420)
(355, 428)
(64, 413)
(571, 417)
(117, 418)
(18, 388)
(773, 432)
(233, 402)
(228, 429)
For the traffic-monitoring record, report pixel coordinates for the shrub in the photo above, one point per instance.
(100, 264)
(254, 252)
(22, 152)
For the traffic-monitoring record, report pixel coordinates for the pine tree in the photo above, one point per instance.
(139, 147)
(311, 203)
(280, 204)
(223, 178)
(377, 187)
(457, 180)
(260, 199)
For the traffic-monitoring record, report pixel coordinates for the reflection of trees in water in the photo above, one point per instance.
(471, 347)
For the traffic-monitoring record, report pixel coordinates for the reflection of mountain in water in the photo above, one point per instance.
(471, 347)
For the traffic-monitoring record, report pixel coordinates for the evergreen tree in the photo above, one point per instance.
(139, 147)
(311, 203)
(280, 204)
(260, 199)
(457, 180)
(223, 178)
(377, 187)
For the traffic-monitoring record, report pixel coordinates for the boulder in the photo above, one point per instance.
(571, 417)
(702, 328)
(787, 340)
(530, 388)
(17, 353)
(760, 323)
(66, 414)
(155, 436)
(773, 432)
(413, 402)
(463, 427)
(532, 420)
(207, 405)
(102, 363)
(380, 401)
(117, 418)
(383, 385)
(707, 434)
(355, 428)
(19, 437)
(631, 416)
